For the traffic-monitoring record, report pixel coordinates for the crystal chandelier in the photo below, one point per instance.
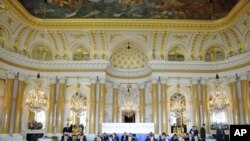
(36, 101)
(127, 107)
(78, 102)
(218, 99)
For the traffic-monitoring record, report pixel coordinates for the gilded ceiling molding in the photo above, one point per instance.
(26, 43)
(197, 35)
(152, 24)
(3, 9)
(64, 44)
(202, 44)
(240, 46)
(230, 47)
(93, 36)
(55, 44)
(19, 35)
(163, 45)
(101, 33)
(155, 38)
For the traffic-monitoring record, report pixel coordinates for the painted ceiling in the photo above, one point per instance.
(130, 9)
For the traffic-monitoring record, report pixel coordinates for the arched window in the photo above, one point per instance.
(41, 52)
(215, 53)
(2, 38)
(176, 54)
(80, 53)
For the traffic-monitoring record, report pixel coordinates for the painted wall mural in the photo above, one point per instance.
(132, 9)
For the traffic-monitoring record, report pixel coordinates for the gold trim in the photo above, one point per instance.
(24, 50)
(202, 44)
(152, 24)
(64, 45)
(163, 45)
(93, 36)
(155, 39)
(17, 40)
(101, 33)
(231, 50)
(240, 47)
(55, 44)
(193, 45)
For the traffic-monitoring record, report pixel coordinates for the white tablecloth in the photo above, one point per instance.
(44, 140)
(210, 139)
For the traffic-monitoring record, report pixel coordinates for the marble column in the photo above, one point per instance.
(19, 105)
(92, 118)
(60, 106)
(115, 104)
(164, 115)
(7, 104)
(196, 105)
(234, 101)
(155, 113)
(204, 98)
(102, 93)
(142, 103)
(164, 108)
(245, 98)
(51, 102)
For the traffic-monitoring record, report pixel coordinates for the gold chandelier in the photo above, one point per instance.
(78, 102)
(178, 106)
(218, 99)
(36, 101)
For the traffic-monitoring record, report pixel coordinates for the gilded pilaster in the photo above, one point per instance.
(101, 108)
(115, 103)
(155, 112)
(142, 103)
(164, 116)
(196, 106)
(92, 121)
(245, 98)
(52, 95)
(234, 101)
(7, 103)
(19, 105)
(205, 105)
(60, 106)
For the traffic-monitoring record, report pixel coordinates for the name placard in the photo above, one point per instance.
(138, 128)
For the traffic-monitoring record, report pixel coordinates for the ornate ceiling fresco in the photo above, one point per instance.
(130, 9)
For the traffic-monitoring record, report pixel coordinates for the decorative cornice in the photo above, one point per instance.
(150, 24)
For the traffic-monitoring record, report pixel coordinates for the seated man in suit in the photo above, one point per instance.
(66, 130)
(124, 137)
(66, 137)
(81, 137)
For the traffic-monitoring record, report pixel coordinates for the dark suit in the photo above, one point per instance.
(67, 129)
(84, 139)
(69, 139)
(124, 138)
(220, 134)
(203, 133)
(188, 139)
(193, 132)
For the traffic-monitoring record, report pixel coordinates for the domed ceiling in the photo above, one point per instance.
(139, 9)
(128, 58)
